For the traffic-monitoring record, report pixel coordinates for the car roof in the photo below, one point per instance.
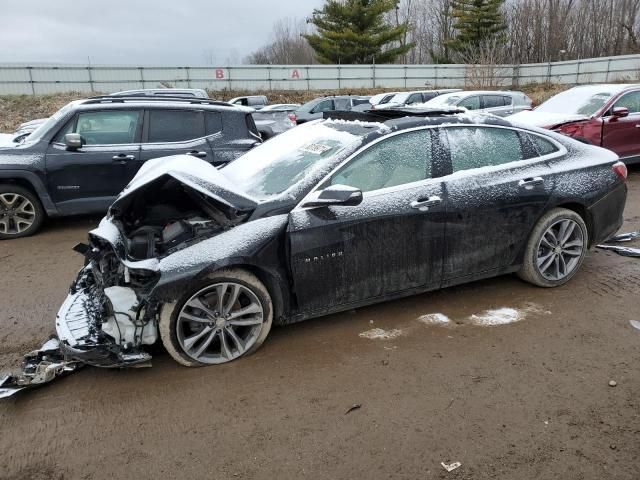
(120, 102)
(607, 87)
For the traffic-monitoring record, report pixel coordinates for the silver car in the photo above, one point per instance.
(500, 103)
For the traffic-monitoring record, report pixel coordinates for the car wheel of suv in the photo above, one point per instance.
(556, 249)
(21, 212)
(226, 317)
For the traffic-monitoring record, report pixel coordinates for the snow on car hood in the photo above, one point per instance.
(544, 119)
(196, 173)
(6, 140)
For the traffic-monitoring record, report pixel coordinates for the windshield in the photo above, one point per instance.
(577, 101)
(287, 160)
(37, 134)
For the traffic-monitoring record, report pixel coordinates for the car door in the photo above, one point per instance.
(498, 189)
(173, 132)
(390, 243)
(622, 134)
(324, 106)
(89, 178)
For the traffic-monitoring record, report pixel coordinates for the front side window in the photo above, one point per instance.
(630, 101)
(476, 147)
(470, 103)
(175, 125)
(106, 127)
(396, 160)
(323, 106)
(414, 98)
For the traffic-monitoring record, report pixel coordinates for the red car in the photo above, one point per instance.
(603, 115)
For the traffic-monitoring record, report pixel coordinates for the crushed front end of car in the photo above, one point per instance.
(110, 314)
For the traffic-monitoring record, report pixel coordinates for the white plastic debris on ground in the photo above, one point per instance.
(380, 334)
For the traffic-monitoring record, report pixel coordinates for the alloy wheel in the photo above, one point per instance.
(219, 323)
(560, 249)
(17, 213)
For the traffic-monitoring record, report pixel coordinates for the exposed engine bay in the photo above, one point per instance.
(167, 215)
(109, 316)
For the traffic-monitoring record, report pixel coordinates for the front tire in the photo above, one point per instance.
(227, 316)
(556, 249)
(21, 213)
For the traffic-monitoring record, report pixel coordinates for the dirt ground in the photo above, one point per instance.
(526, 400)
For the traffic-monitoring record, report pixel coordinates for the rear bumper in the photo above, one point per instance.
(606, 214)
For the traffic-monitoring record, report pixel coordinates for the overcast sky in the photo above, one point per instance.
(183, 32)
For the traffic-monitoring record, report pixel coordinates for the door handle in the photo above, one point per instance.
(195, 153)
(529, 183)
(123, 158)
(423, 204)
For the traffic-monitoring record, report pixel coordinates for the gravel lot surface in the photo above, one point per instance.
(510, 380)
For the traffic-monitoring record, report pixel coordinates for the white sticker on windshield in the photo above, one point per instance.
(316, 148)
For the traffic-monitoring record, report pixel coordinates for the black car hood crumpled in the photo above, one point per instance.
(197, 174)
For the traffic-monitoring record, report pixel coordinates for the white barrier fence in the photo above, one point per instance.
(47, 78)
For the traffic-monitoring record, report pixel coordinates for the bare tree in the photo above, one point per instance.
(286, 46)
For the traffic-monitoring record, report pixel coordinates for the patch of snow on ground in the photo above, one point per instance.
(500, 316)
(434, 319)
(380, 334)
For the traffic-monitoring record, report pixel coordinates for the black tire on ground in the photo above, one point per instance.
(530, 271)
(171, 311)
(36, 213)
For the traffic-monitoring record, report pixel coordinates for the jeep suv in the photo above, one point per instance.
(81, 157)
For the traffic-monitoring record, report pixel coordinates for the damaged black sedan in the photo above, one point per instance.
(330, 216)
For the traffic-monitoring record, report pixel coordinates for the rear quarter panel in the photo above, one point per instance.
(584, 177)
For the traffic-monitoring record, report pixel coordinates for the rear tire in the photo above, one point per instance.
(227, 316)
(556, 249)
(21, 213)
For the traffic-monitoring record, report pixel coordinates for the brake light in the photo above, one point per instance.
(620, 169)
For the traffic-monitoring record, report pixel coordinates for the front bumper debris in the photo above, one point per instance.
(81, 341)
(39, 367)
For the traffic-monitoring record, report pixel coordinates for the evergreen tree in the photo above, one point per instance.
(355, 31)
(477, 22)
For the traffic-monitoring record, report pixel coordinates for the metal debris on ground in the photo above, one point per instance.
(38, 367)
(625, 237)
(451, 466)
(624, 251)
(353, 407)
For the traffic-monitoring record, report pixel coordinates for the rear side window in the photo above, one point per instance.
(213, 122)
(111, 127)
(396, 160)
(175, 125)
(429, 95)
(475, 147)
(543, 146)
(471, 103)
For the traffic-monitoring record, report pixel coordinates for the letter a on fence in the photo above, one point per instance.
(295, 74)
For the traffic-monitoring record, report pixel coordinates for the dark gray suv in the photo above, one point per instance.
(85, 154)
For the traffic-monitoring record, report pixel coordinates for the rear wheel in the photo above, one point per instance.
(556, 249)
(21, 213)
(228, 316)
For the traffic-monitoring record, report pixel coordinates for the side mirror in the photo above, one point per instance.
(73, 141)
(620, 112)
(335, 195)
